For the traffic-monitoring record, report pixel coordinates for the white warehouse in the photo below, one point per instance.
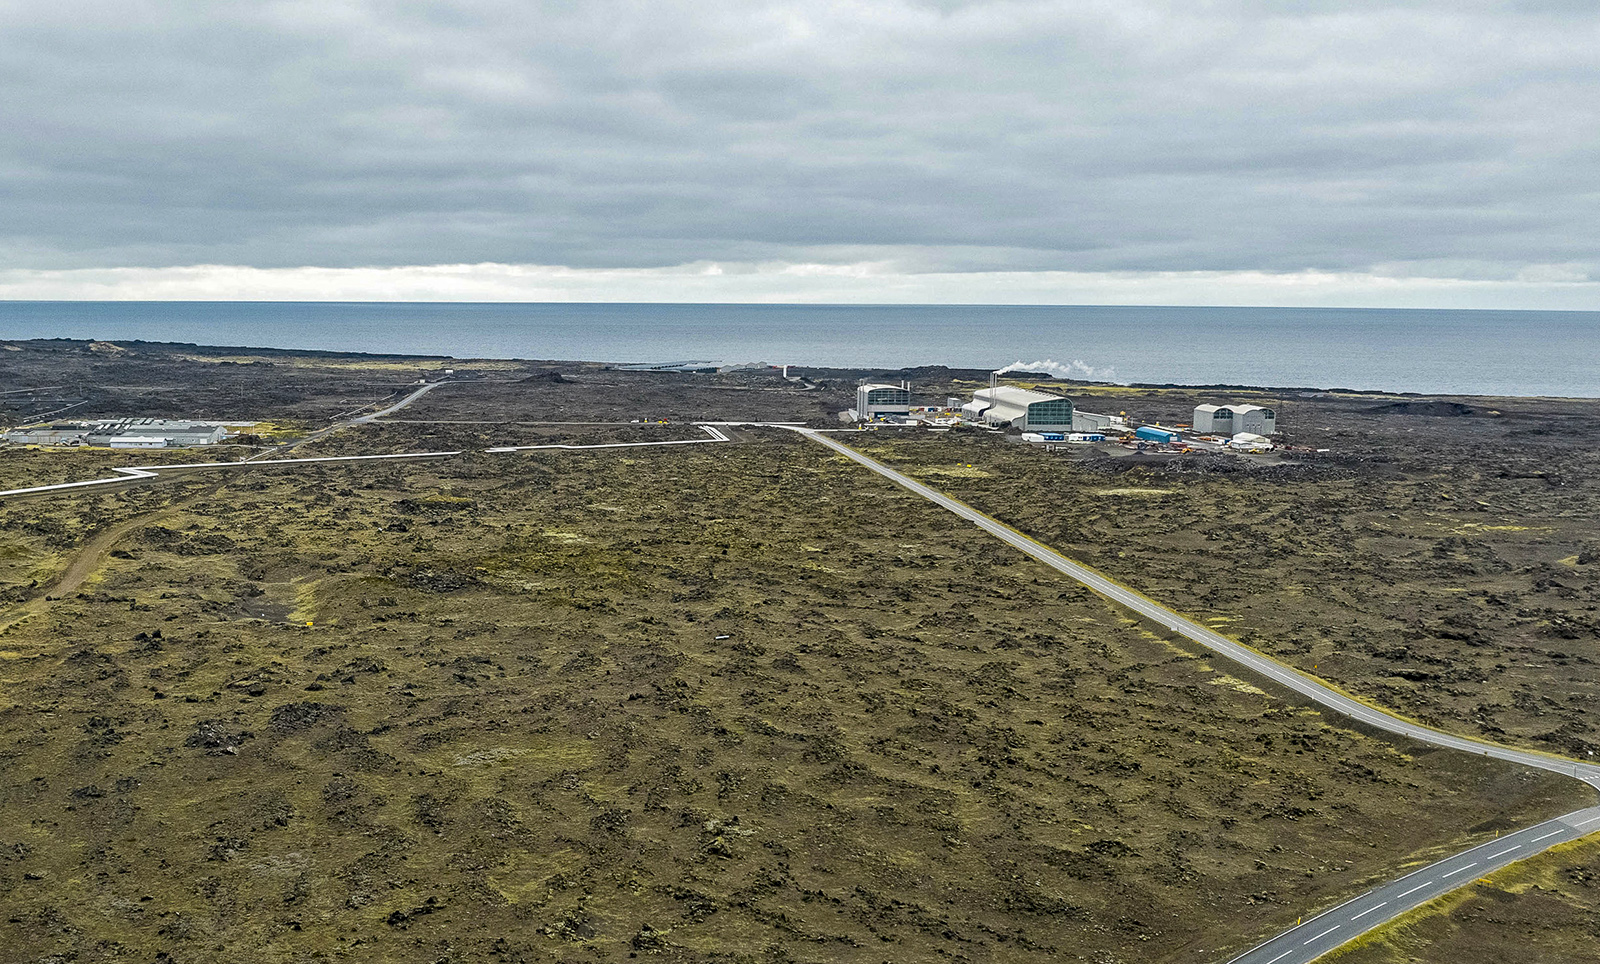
(873, 400)
(1233, 419)
(1020, 409)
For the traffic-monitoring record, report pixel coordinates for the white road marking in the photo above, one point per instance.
(1415, 889)
(1322, 935)
(1505, 851)
(1280, 957)
(1369, 910)
(1548, 835)
(1582, 823)
(1457, 871)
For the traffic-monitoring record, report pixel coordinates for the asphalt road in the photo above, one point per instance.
(716, 435)
(1305, 685)
(140, 472)
(1306, 942)
(358, 420)
(1299, 945)
(397, 406)
(1321, 934)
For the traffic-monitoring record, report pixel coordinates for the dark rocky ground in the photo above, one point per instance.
(720, 703)
(744, 702)
(1446, 566)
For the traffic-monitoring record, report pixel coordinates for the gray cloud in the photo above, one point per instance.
(1111, 136)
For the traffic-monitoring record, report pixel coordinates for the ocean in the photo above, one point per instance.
(1427, 351)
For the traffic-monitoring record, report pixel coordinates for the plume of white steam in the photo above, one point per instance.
(1074, 369)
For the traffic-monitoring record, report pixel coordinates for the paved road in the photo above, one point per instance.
(1305, 943)
(136, 472)
(1328, 930)
(716, 436)
(1301, 944)
(358, 420)
(1272, 669)
(397, 406)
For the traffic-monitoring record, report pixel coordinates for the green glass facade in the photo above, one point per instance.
(1055, 412)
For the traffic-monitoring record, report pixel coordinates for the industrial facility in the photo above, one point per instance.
(1233, 419)
(875, 400)
(1020, 408)
(1046, 419)
(125, 433)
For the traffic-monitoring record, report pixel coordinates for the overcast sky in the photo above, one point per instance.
(1338, 152)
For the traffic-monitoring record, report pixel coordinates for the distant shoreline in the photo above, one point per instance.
(934, 373)
(1417, 351)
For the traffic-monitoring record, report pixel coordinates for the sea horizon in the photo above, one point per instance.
(1457, 351)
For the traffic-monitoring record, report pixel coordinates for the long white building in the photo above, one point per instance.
(1021, 409)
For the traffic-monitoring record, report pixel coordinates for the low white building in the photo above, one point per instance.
(139, 442)
(1233, 419)
(875, 400)
(1021, 409)
(1250, 442)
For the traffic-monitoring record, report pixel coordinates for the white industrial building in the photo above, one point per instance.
(1021, 409)
(1095, 422)
(875, 400)
(1233, 419)
(123, 433)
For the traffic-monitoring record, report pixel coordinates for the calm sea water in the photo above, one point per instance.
(1432, 351)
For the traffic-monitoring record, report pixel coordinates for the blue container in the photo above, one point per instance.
(1152, 434)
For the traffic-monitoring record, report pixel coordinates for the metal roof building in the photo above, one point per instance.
(1232, 419)
(1020, 408)
(136, 433)
(122, 433)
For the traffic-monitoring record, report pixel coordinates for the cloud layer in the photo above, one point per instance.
(781, 283)
(1385, 140)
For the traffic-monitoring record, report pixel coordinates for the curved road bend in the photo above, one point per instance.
(1349, 920)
